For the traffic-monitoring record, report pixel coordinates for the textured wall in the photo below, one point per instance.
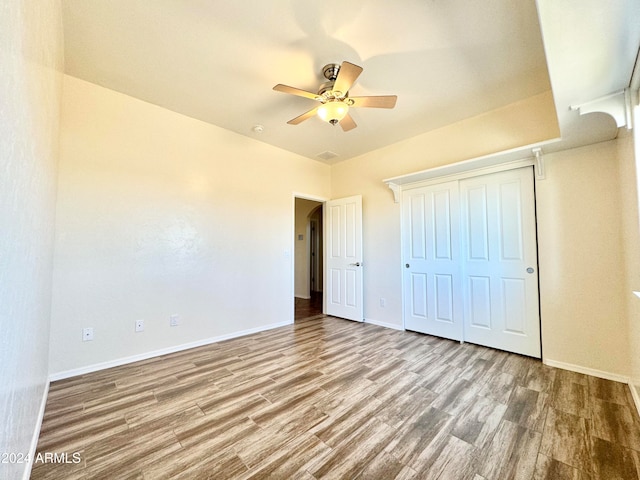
(161, 214)
(30, 89)
(582, 266)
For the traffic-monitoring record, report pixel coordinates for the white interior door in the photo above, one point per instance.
(431, 254)
(343, 258)
(500, 280)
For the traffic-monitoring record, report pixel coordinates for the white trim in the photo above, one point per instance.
(36, 433)
(491, 163)
(500, 161)
(392, 326)
(305, 196)
(587, 371)
(616, 104)
(539, 163)
(634, 84)
(635, 393)
(164, 351)
(439, 175)
(396, 189)
(304, 297)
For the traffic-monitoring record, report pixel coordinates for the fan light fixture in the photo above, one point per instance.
(333, 111)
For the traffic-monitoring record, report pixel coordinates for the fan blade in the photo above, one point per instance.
(347, 76)
(347, 123)
(303, 117)
(295, 91)
(382, 101)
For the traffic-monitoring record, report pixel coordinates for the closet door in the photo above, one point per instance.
(499, 261)
(431, 260)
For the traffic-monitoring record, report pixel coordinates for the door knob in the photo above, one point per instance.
(357, 264)
(406, 265)
(530, 270)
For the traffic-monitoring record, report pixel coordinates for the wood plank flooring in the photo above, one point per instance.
(305, 308)
(329, 398)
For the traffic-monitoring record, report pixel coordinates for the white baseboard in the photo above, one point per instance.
(587, 371)
(36, 433)
(383, 324)
(303, 297)
(635, 391)
(157, 353)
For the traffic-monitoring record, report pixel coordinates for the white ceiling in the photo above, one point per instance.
(446, 60)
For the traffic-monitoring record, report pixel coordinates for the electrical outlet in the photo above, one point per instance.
(174, 320)
(87, 334)
(383, 302)
(139, 325)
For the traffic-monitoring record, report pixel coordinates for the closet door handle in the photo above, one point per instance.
(406, 265)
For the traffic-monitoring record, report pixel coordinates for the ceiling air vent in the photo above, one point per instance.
(327, 155)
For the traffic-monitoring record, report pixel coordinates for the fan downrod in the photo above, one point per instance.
(330, 71)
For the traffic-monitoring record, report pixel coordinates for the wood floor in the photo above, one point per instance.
(329, 398)
(305, 308)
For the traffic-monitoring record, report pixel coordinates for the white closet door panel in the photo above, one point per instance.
(477, 232)
(417, 227)
(430, 255)
(514, 305)
(510, 218)
(442, 225)
(500, 269)
(444, 298)
(478, 302)
(418, 295)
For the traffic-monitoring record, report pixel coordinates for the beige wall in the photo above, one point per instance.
(583, 293)
(31, 62)
(161, 214)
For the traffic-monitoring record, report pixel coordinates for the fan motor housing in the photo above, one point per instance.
(325, 87)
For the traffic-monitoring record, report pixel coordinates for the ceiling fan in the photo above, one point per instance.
(334, 96)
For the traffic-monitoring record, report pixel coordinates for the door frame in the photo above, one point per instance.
(316, 258)
(290, 253)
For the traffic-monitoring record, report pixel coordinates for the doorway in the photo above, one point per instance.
(308, 258)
